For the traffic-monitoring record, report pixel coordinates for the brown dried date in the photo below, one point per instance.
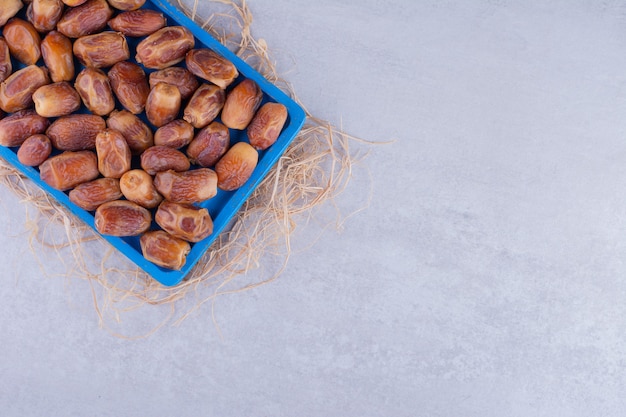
(236, 166)
(188, 187)
(184, 221)
(16, 92)
(164, 250)
(137, 133)
(163, 104)
(130, 85)
(9, 9)
(186, 82)
(138, 186)
(241, 104)
(122, 218)
(6, 67)
(90, 195)
(266, 125)
(161, 158)
(127, 4)
(74, 3)
(55, 100)
(165, 47)
(17, 127)
(209, 145)
(138, 23)
(94, 88)
(44, 14)
(101, 50)
(85, 19)
(211, 66)
(23, 40)
(69, 169)
(204, 106)
(76, 131)
(113, 153)
(56, 50)
(175, 134)
(35, 150)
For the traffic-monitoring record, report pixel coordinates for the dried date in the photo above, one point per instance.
(188, 187)
(184, 221)
(204, 106)
(138, 23)
(209, 145)
(113, 153)
(175, 134)
(17, 127)
(241, 104)
(122, 218)
(90, 195)
(56, 50)
(161, 158)
(76, 131)
(164, 250)
(35, 150)
(236, 166)
(266, 125)
(138, 186)
(69, 169)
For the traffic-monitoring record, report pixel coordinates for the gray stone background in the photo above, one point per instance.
(485, 278)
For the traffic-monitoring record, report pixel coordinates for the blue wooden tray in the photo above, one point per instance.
(224, 205)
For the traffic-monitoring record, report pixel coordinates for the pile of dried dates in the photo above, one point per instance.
(79, 109)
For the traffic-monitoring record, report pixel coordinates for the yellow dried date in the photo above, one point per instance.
(23, 40)
(163, 104)
(209, 145)
(95, 90)
(6, 67)
(17, 127)
(122, 218)
(35, 150)
(211, 66)
(85, 19)
(55, 100)
(69, 169)
(44, 14)
(266, 125)
(186, 82)
(114, 156)
(188, 187)
(184, 221)
(175, 134)
(241, 104)
(130, 85)
(90, 195)
(164, 250)
(138, 186)
(138, 135)
(165, 47)
(161, 158)
(57, 53)
(204, 106)
(138, 23)
(16, 92)
(236, 166)
(75, 132)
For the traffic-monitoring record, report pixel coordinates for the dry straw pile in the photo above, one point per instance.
(313, 171)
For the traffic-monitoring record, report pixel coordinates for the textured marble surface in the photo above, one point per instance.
(485, 278)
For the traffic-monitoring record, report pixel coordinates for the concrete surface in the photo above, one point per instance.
(486, 278)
